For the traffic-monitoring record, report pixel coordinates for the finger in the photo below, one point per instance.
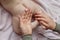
(41, 13)
(39, 16)
(44, 24)
(43, 27)
(38, 13)
(34, 24)
(41, 19)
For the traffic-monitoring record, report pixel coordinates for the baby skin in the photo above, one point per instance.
(18, 9)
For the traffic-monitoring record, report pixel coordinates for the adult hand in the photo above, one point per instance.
(45, 20)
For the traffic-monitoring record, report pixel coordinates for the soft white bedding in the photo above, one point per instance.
(51, 7)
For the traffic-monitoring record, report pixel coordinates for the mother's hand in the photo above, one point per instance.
(45, 20)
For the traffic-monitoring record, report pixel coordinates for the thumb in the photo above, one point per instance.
(34, 24)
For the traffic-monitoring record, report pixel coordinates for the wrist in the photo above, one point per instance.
(26, 33)
(26, 30)
(53, 27)
(34, 24)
